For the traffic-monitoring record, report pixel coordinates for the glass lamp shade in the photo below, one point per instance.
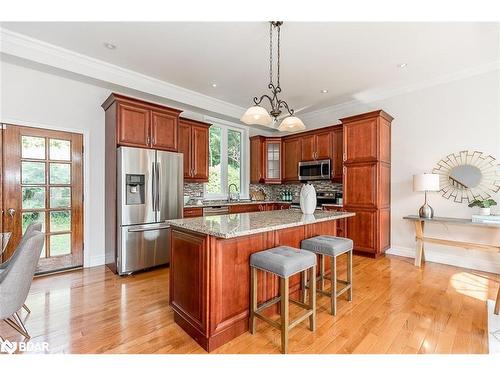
(291, 124)
(256, 115)
(426, 182)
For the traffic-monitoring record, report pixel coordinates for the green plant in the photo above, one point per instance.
(485, 203)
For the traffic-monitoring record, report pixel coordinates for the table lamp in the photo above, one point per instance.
(426, 182)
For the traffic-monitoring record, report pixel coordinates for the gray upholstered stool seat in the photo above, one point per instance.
(283, 261)
(327, 245)
(331, 247)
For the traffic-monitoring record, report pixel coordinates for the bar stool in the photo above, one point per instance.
(332, 247)
(284, 262)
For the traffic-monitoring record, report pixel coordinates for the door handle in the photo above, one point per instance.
(147, 229)
(153, 186)
(157, 186)
(11, 212)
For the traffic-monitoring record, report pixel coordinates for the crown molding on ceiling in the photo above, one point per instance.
(32, 49)
(28, 48)
(375, 95)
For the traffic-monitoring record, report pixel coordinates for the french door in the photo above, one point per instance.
(43, 181)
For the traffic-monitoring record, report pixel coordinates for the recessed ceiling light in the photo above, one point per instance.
(403, 65)
(324, 91)
(214, 84)
(109, 45)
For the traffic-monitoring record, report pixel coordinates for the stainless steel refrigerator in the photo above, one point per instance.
(149, 191)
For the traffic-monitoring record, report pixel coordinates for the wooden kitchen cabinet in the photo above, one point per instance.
(316, 146)
(193, 143)
(265, 160)
(290, 160)
(338, 153)
(193, 212)
(137, 123)
(367, 180)
(256, 159)
(164, 127)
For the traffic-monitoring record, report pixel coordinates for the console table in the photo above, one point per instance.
(421, 239)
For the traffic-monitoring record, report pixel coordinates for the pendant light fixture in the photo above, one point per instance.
(258, 115)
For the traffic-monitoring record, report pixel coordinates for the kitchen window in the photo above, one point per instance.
(228, 161)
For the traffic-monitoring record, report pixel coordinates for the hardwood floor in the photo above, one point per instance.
(397, 308)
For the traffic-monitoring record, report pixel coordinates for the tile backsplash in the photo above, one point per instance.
(273, 192)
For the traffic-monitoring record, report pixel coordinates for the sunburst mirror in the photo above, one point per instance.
(468, 175)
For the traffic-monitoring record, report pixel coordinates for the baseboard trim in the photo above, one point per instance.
(452, 260)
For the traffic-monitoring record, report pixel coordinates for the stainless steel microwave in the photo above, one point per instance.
(314, 170)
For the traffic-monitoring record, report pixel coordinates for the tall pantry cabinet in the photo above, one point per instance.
(367, 181)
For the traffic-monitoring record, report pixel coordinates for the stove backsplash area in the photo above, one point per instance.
(273, 192)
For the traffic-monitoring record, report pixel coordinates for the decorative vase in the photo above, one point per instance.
(307, 199)
(485, 211)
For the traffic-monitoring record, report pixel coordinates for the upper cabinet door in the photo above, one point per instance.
(164, 131)
(291, 152)
(134, 124)
(256, 168)
(323, 143)
(338, 153)
(308, 148)
(184, 147)
(199, 146)
(360, 140)
(272, 159)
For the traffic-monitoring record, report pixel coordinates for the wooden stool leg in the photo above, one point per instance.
(284, 314)
(303, 289)
(497, 303)
(349, 274)
(312, 298)
(333, 276)
(322, 271)
(253, 298)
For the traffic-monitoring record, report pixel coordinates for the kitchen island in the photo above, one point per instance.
(210, 272)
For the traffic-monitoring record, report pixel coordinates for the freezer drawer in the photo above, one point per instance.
(142, 246)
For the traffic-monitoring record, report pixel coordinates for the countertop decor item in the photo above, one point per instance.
(257, 115)
(308, 199)
(426, 182)
(484, 205)
(468, 175)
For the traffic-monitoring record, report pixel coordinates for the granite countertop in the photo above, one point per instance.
(236, 225)
(232, 203)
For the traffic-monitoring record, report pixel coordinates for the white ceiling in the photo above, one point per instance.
(345, 58)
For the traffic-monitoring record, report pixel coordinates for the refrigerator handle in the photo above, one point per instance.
(153, 187)
(158, 177)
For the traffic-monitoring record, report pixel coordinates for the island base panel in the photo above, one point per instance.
(217, 309)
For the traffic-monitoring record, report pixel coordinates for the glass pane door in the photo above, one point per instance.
(48, 190)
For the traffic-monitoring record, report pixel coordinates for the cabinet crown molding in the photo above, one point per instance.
(367, 115)
(195, 122)
(115, 97)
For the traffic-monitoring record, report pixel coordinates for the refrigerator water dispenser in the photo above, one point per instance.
(134, 189)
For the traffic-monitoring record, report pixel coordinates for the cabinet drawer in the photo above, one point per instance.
(193, 212)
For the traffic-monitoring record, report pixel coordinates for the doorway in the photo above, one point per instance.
(42, 181)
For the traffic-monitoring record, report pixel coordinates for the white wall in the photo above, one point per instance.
(428, 125)
(33, 98)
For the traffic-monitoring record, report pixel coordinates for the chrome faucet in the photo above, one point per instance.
(229, 199)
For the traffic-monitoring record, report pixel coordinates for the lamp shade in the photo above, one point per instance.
(256, 115)
(426, 182)
(291, 124)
